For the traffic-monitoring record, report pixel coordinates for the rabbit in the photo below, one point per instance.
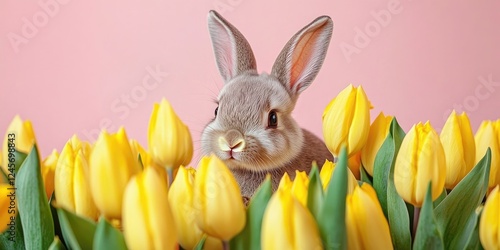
(253, 131)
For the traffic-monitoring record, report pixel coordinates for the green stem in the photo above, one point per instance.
(416, 216)
(225, 245)
(170, 173)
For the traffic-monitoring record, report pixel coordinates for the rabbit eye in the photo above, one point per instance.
(216, 109)
(273, 120)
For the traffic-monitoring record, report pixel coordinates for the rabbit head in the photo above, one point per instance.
(253, 128)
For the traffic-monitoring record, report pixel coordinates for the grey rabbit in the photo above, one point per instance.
(253, 131)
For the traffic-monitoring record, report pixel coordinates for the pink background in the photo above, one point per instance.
(71, 74)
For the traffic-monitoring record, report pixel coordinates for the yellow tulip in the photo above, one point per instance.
(326, 173)
(137, 150)
(366, 225)
(169, 140)
(489, 231)
(288, 225)
(285, 182)
(147, 220)
(346, 121)
(219, 209)
(180, 198)
(459, 148)
(6, 210)
(354, 164)
(21, 134)
(488, 135)
(299, 187)
(111, 167)
(48, 171)
(71, 182)
(420, 160)
(378, 132)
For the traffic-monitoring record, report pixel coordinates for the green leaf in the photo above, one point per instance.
(383, 183)
(249, 237)
(441, 197)
(10, 172)
(474, 243)
(57, 244)
(201, 244)
(107, 237)
(13, 239)
(332, 225)
(36, 218)
(364, 176)
(428, 235)
(454, 212)
(78, 232)
(315, 196)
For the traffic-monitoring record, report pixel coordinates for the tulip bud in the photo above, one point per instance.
(420, 160)
(138, 150)
(488, 135)
(48, 170)
(378, 132)
(147, 220)
(180, 198)
(4, 206)
(111, 167)
(219, 209)
(169, 140)
(300, 186)
(288, 225)
(366, 225)
(459, 148)
(346, 121)
(490, 221)
(354, 164)
(285, 182)
(326, 173)
(24, 138)
(71, 182)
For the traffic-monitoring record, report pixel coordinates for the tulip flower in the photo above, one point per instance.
(299, 187)
(111, 167)
(138, 150)
(4, 206)
(488, 135)
(288, 225)
(219, 209)
(459, 148)
(346, 121)
(489, 232)
(48, 171)
(366, 225)
(378, 132)
(71, 182)
(169, 140)
(326, 173)
(24, 138)
(285, 182)
(147, 220)
(354, 164)
(180, 198)
(420, 160)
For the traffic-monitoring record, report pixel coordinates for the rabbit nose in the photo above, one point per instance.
(232, 141)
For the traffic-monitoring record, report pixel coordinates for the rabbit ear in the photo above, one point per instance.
(232, 51)
(300, 60)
